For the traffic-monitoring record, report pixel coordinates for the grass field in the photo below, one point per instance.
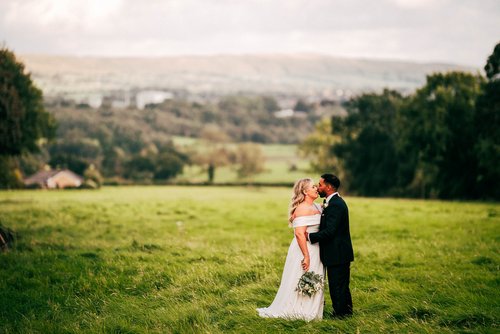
(201, 259)
(278, 160)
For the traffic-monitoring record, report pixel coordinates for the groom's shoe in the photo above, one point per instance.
(341, 316)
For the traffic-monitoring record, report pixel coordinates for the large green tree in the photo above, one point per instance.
(487, 123)
(368, 147)
(439, 130)
(23, 120)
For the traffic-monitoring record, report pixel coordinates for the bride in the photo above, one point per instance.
(302, 256)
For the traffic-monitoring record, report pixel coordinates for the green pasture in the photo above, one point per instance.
(281, 165)
(201, 259)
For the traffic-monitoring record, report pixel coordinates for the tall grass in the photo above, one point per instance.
(201, 259)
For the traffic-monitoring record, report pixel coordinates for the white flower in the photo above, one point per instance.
(309, 283)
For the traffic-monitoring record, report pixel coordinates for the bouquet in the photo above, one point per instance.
(309, 283)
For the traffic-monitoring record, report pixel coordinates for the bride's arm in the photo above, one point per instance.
(300, 235)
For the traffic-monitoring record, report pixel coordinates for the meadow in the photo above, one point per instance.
(201, 259)
(282, 164)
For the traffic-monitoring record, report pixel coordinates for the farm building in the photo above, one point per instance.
(54, 179)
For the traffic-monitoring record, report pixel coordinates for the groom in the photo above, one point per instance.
(335, 244)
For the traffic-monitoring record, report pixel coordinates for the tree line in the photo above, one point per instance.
(134, 145)
(440, 142)
(443, 141)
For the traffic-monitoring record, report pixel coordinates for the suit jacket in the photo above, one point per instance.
(335, 246)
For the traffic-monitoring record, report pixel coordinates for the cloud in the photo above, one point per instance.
(459, 31)
(46, 13)
(411, 4)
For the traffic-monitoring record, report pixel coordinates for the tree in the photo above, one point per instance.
(140, 168)
(214, 153)
(487, 123)
(270, 104)
(368, 145)
(155, 162)
(168, 166)
(93, 178)
(250, 160)
(77, 154)
(169, 162)
(10, 174)
(492, 67)
(439, 131)
(23, 120)
(113, 161)
(302, 105)
(317, 147)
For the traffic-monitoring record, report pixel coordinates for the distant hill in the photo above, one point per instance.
(301, 74)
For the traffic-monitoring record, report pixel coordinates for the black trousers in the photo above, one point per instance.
(338, 283)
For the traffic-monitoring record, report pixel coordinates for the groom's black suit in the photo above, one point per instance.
(336, 252)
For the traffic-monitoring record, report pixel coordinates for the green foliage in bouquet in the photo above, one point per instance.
(309, 283)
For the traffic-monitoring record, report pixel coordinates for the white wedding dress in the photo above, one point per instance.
(288, 303)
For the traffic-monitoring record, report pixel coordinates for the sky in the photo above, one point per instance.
(445, 31)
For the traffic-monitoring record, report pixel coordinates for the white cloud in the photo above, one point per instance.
(40, 13)
(460, 31)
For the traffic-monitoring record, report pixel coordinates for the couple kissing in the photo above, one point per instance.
(322, 244)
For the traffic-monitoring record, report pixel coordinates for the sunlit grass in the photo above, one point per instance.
(281, 165)
(201, 259)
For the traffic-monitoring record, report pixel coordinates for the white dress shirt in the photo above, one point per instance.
(330, 197)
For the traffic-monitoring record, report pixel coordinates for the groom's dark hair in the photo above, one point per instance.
(331, 180)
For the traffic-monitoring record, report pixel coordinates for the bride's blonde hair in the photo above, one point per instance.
(298, 196)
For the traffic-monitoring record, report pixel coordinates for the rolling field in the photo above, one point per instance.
(278, 158)
(201, 259)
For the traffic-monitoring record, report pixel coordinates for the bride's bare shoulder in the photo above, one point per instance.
(303, 210)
